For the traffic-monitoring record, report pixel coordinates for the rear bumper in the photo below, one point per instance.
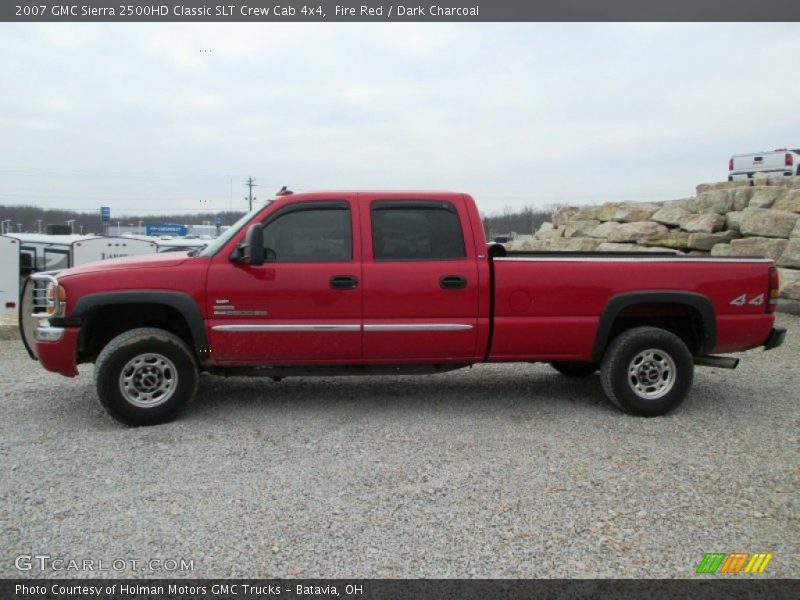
(56, 348)
(776, 338)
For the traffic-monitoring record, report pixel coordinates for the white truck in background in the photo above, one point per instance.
(781, 161)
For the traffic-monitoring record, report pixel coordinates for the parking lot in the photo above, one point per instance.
(495, 471)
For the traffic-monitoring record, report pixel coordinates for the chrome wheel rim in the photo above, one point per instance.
(651, 374)
(148, 380)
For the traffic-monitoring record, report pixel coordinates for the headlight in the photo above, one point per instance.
(56, 297)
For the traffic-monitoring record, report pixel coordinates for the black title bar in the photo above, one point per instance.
(283, 11)
(745, 587)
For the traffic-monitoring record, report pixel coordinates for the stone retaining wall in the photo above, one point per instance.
(723, 219)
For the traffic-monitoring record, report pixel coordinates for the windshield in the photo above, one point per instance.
(218, 243)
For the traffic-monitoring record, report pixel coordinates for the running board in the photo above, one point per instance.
(279, 372)
(721, 362)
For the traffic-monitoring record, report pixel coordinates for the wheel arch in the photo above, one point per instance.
(178, 302)
(697, 305)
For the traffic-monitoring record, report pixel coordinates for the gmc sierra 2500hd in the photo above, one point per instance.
(391, 283)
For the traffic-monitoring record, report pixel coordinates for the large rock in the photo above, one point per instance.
(790, 283)
(586, 213)
(796, 230)
(671, 239)
(704, 223)
(575, 244)
(733, 220)
(604, 230)
(529, 245)
(791, 255)
(563, 214)
(789, 202)
(767, 223)
(719, 202)
(706, 241)
(627, 212)
(758, 246)
(763, 196)
(630, 232)
(741, 197)
(670, 214)
(721, 250)
(580, 228)
(720, 185)
(619, 247)
(760, 179)
(783, 181)
(548, 232)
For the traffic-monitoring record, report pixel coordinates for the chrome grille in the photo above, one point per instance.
(39, 298)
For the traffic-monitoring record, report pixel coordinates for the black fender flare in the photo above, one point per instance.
(180, 301)
(618, 303)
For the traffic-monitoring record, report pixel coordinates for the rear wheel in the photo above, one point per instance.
(575, 369)
(647, 371)
(145, 376)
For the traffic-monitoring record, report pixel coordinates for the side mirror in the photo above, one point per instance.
(254, 245)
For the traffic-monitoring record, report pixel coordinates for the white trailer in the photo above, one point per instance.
(167, 243)
(40, 252)
(776, 163)
(179, 244)
(9, 275)
(103, 248)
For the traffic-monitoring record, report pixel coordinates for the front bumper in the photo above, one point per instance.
(776, 338)
(57, 348)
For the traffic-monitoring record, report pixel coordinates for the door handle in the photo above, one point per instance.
(344, 282)
(452, 282)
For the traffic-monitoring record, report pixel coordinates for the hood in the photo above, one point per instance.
(161, 260)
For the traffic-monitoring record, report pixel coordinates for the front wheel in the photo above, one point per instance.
(145, 376)
(647, 371)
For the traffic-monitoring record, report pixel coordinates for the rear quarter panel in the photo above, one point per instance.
(548, 308)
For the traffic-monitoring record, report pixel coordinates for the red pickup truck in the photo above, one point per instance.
(391, 283)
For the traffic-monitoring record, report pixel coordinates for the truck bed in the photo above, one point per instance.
(554, 302)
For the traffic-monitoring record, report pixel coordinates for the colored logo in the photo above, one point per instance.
(735, 562)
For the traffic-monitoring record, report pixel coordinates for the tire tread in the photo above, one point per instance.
(627, 341)
(119, 343)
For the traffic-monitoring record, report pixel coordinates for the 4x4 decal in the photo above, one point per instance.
(756, 300)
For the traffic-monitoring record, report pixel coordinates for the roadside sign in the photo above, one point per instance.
(105, 213)
(166, 229)
(219, 220)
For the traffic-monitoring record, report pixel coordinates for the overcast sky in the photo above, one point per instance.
(136, 117)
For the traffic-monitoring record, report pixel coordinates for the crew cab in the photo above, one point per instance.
(391, 283)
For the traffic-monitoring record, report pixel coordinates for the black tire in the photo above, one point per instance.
(575, 369)
(654, 385)
(145, 376)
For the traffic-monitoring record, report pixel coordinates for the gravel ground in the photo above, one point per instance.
(497, 471)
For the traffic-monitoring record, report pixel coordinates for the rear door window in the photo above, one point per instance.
(410, 230)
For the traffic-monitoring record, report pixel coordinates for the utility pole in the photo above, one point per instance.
(39, 223)
(251, 183)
